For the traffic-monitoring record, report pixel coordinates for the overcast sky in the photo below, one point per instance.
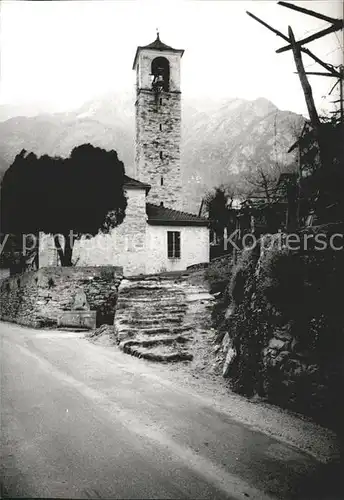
(60, 54)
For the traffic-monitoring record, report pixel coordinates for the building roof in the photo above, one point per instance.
(159, 215)
(163, 216)
(129, 182)
(156, 45)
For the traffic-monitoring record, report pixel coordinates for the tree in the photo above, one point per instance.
(321, 189)
(262, 181)
(67, 198)
(218, 204)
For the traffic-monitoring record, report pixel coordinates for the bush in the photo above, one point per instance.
(281, 280)
(218, 274)
(240, 277)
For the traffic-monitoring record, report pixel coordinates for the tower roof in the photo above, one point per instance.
(156, 45)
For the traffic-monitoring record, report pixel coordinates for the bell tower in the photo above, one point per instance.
(158, 122)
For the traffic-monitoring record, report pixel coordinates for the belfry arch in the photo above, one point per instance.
(160, 71)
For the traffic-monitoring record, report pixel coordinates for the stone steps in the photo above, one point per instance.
(161, 277)
(146, 322)
(164, 306)
(153, 289)
(72, 329)
(152, 319)
(167, 355)
(148, 332)
(154, 341)
(153, 298)
(152, 310)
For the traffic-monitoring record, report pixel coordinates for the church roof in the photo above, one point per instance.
(129, 182)
(163, 216)
(156, 45)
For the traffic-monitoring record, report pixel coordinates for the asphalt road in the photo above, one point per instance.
(85, 421)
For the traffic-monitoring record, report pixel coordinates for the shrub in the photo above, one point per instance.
(281, 280)
(240, 277)
(218, 274)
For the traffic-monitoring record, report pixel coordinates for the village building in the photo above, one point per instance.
(156, 234)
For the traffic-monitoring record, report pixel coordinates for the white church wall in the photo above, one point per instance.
(125, 245)
(194, 248)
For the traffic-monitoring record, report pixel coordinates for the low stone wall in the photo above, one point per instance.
(37, 298)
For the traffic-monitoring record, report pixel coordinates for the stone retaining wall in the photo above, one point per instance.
(37, 298)
(280, 324)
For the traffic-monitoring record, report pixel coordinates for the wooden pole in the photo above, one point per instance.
(200, 208)
(305, 51)
(278, 33)
(307, 89)
(336, 27)
(225, 237)
(309, 12)
(319, 61)
(319, 73)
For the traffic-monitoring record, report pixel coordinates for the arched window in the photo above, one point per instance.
(160, 71)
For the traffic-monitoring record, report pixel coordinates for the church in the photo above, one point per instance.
(156, 234)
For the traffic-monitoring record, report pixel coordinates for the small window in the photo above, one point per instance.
(160, 155)
(161, 181)
(173, 244)
(160, 127)
(160, 101)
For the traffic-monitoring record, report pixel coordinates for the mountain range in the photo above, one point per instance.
(221, 139)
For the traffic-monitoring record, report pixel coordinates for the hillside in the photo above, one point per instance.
(220, 140)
